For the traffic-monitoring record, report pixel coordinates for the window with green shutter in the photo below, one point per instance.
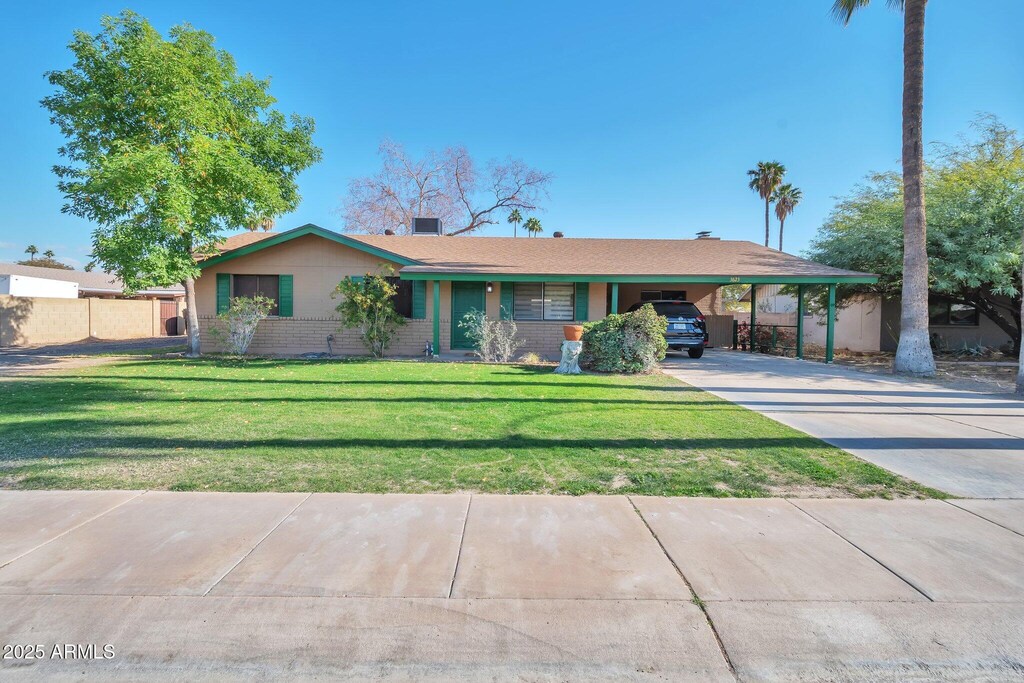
(582, 300)
(505, 300)
(223, 292)
(419, 299)
(286, 295)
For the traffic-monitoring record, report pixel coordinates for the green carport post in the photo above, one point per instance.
(830, 326)
(753, 315)
(436, 286)
(615, 298)
(800, 321)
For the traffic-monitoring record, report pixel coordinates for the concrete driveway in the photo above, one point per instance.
(30, 360)
(124, 585)
(962, 442)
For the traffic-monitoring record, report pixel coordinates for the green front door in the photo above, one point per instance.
(466, 297)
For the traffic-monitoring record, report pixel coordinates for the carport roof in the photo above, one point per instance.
(572, 259)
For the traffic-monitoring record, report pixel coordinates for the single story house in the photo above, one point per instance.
(872, 323)
(542, 284)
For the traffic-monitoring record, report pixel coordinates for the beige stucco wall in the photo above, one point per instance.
(858, 326)
(40, 320)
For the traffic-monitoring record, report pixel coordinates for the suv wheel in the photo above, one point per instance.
(696, 353)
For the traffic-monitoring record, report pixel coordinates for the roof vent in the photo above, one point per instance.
(427, 226)
(389, 231)
(558, 234)
(703, 234)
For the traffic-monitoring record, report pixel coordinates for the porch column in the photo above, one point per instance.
(615, 298)
(436, 286)
(753, 316)
(800, 321)
(830, 325)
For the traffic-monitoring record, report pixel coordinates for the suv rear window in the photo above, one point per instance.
(676, 310)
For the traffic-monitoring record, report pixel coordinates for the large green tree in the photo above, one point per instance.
(975, 194)
(914, 354)
(168, 147)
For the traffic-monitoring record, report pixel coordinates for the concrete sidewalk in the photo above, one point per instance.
(443, 587)
(962, 442)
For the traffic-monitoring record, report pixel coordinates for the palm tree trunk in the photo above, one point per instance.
(782, 224)
(767, 234)
(191, 318)
(914, 353)
(1020, 357)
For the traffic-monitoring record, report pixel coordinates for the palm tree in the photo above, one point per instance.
(786, 198)
(515, 218)
(533, 226)
(49, 253)
(32, 251)
(914, 352)
(764, 180)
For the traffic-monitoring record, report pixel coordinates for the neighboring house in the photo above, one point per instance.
(90, 284)
(542, 284)
(871, 323)
(52, 306)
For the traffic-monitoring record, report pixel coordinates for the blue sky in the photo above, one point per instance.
(648, 114)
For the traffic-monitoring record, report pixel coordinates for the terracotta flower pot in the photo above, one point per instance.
(573, 332)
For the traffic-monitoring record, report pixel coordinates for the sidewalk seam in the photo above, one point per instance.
(982, 517)
(257, 544)
(77, 526)
(462, 540)
(865, 552)
(695, 599)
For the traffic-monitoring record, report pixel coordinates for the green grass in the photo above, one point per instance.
(273, 425)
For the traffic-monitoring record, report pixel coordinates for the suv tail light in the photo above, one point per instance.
(700, 318)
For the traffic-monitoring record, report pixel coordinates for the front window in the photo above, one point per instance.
(258, 285)
(946, 312)
(403, 296)
(543, 300)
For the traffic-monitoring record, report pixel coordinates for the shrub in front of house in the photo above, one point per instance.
(240, 321)
(628, 342)
(495, 340)
(367, 304)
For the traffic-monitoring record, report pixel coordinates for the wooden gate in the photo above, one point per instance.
(168, 318)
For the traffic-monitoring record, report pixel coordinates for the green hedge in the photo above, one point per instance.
(627, 342)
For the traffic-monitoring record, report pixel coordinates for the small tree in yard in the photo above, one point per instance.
(495, 339)
(367, 304)
(167, 147)
(241, 319)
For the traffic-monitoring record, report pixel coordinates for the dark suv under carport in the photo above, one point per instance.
(686, 328)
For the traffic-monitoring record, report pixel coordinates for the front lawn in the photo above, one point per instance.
(274, 425)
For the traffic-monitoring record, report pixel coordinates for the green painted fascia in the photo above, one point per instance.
(308, 229)
(710, 279)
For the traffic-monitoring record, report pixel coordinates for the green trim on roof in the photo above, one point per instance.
(710, 279)
(308, 229)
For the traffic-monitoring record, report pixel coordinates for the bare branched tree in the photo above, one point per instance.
(442, 185)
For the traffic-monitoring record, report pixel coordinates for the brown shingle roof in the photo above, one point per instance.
(711, 258)
(590, 256)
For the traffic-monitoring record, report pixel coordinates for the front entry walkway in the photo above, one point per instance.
(186, 586)
(961, 442)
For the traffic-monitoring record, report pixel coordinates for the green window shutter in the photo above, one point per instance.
(582, 300)
(419, 299)
(223, 292)
(505, 300)
(285, 294)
